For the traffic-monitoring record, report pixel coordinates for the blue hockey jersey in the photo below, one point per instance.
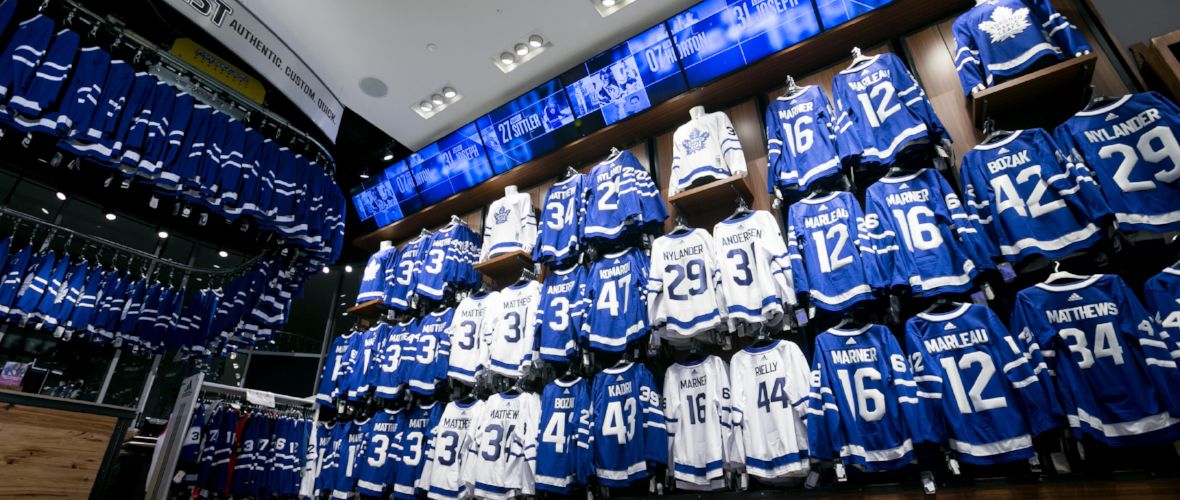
(1114, 373)
(335, 368)
(27, 106)
(825, 238)
(376, 467)
(373, 279)
(351, 447)
(426, 352)
(1161, 295)
(881, 109)
(388, 376)
(559, 317)
(564, 459)
(615, 306)
(919, 234)
(447, 265)
(405, 277)
(628, 432)
(83, 95)
(979, 394)
(801, 139)
(623, 198)
(1028, 201)
(864, 405)
(1004, 38)
(24, 53)
(1131, 147)
(563, 213)
(414, 446)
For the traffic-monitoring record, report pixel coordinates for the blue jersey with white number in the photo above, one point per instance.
(426, 352)
(825, 238)
(615, 305)
(561, 221)
(375, 468)
(405, 273)
(801, 139)
(414, 447)
(559, 316)
(563, 449)
(447, 265)
(1131, 147)
(880, 109)
(629, 430)
(622, 197)
(1113, 369)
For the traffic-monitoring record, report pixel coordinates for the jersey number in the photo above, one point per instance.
(775, 393)
(555, 433)
(831, 261)
(381, 442)
(466, 335)
(560, 215)
(918, 235)
(560, 309)
(436, 261)
(514, 332)
(413, 454)
(973, 400)
(608, 200)
(696, 408)
(742, 276)
(446, 454)
(869, 403)
(496, 442)
(620, 420)
(610, 295)
(1007, 197)
(801, 137)
(694, 270)
(1146, 150)
(1106, 344)
(882, 110)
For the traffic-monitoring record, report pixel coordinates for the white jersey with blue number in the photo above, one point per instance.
(513, 341)
(684, 298)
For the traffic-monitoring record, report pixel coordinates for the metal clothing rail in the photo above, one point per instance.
(238, 391)
(5, 211)
(247, 106)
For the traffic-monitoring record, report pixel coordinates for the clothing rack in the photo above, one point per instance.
(185, 77)
(120, 248)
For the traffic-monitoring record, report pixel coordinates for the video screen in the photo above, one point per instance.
(450, 165)
(716, 37)
(388, 196)
(624, 80)
(836, 12)
(528, 127)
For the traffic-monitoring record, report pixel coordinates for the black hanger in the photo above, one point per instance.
(1097, 101)
(991, 133)
(792, 87)
(763, 339)
(517, 387)
(741, 210)
(570, 375)
(569, 173)
(468, 398)
(526, 276)
(941, 305)
(695, 353)
(681, 225)
(850, 322)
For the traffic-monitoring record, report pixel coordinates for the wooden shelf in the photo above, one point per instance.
(716, 195)
(1060, 89)
(1160, 57)
(370, 309)
(505, 268)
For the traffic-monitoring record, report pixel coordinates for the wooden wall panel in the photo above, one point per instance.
(1106, 79)
(50, 453)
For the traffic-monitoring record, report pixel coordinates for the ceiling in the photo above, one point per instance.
(418, 47)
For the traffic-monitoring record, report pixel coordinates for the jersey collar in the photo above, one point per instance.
(1069, 286)
(619, 369)
(958, 311)
(822, 199)
(571, 383)
(903, 178)
(752, 349)
(1107, 108)
(849, 333)
(1006, 140)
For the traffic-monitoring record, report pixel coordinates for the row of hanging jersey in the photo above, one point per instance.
(432, 266)
(102, 109)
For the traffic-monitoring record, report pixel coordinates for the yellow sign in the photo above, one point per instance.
(216, 67)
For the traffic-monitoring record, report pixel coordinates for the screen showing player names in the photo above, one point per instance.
(528, 127)
(836, 12)
(451, 165)
(388, 196)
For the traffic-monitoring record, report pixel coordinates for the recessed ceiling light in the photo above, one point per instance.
(609, 7)
(222, 253)
(437, 99)
(521, 49)
(44, 210)
(216, 266)
(162, 234)
(325, 269)
(388, 156)
(449, 92)
(608, 3)
(365, 175)
(507, 58)
(536, 41)
(110, 216)
(61, 196)
(348, 269)
(425, 106)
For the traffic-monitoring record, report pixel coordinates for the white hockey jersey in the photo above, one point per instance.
(442, 477)
(470, 327)
(502, 450)
(755, 269)
(770, 386)
(699, 416)
(513, 342)
(704, 148)
(684, 296)
(511, 225)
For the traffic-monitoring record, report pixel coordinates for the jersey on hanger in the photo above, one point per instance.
(351, 438)
(405, 275)
(978, 394)
(825, 238)
(426, 353)
(502, 452)
(1161, 295)
(564, 459)
(442, 477)
(1131, 147)
(373, 278)
(801, 139)
(375, 468)
(683, 294)
(391, 361)
(770, 388)
(1028, 201)
(559, 319)
(1114, 373)
(881, 109)
(615, 310)
(562, 216)
(413, 447)
(699, 416)
(511, 225)
(471, 326)
(513, 341)
(756, 274)
(917, 228)
(622, 197)
(447, 265)
(628, 430)
(864, 404)
(705, 148)
(1004, 38)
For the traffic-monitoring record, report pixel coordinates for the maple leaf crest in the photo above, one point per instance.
(501, 215)
(371, 270)
(695, 142)
(1006, 23)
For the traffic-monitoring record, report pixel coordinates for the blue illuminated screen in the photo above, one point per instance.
(528, 127)
(451, 165)
(388, 196)
(626, 79)
(836, 12)
(716, 37)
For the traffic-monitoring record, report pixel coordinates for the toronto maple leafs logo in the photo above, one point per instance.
(695, 142)
(371, 270)
(1006, 23)
(501, 215)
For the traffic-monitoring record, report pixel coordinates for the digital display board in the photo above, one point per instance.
(716, 37)
(451, 165)
(626, 79)
(835, 12)
(528, 127)
(388, 196)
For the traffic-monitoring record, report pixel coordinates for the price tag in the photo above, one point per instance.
(987, 290)
(745, 482)
(801, 317)
(812, 480)
(178, 477)
(1060, 463)
(840, 475)
(1034, 464)
(953, 465)
(1006, 272)
(260, 398)
(928, 485)
(979, 298)
(154, 203)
